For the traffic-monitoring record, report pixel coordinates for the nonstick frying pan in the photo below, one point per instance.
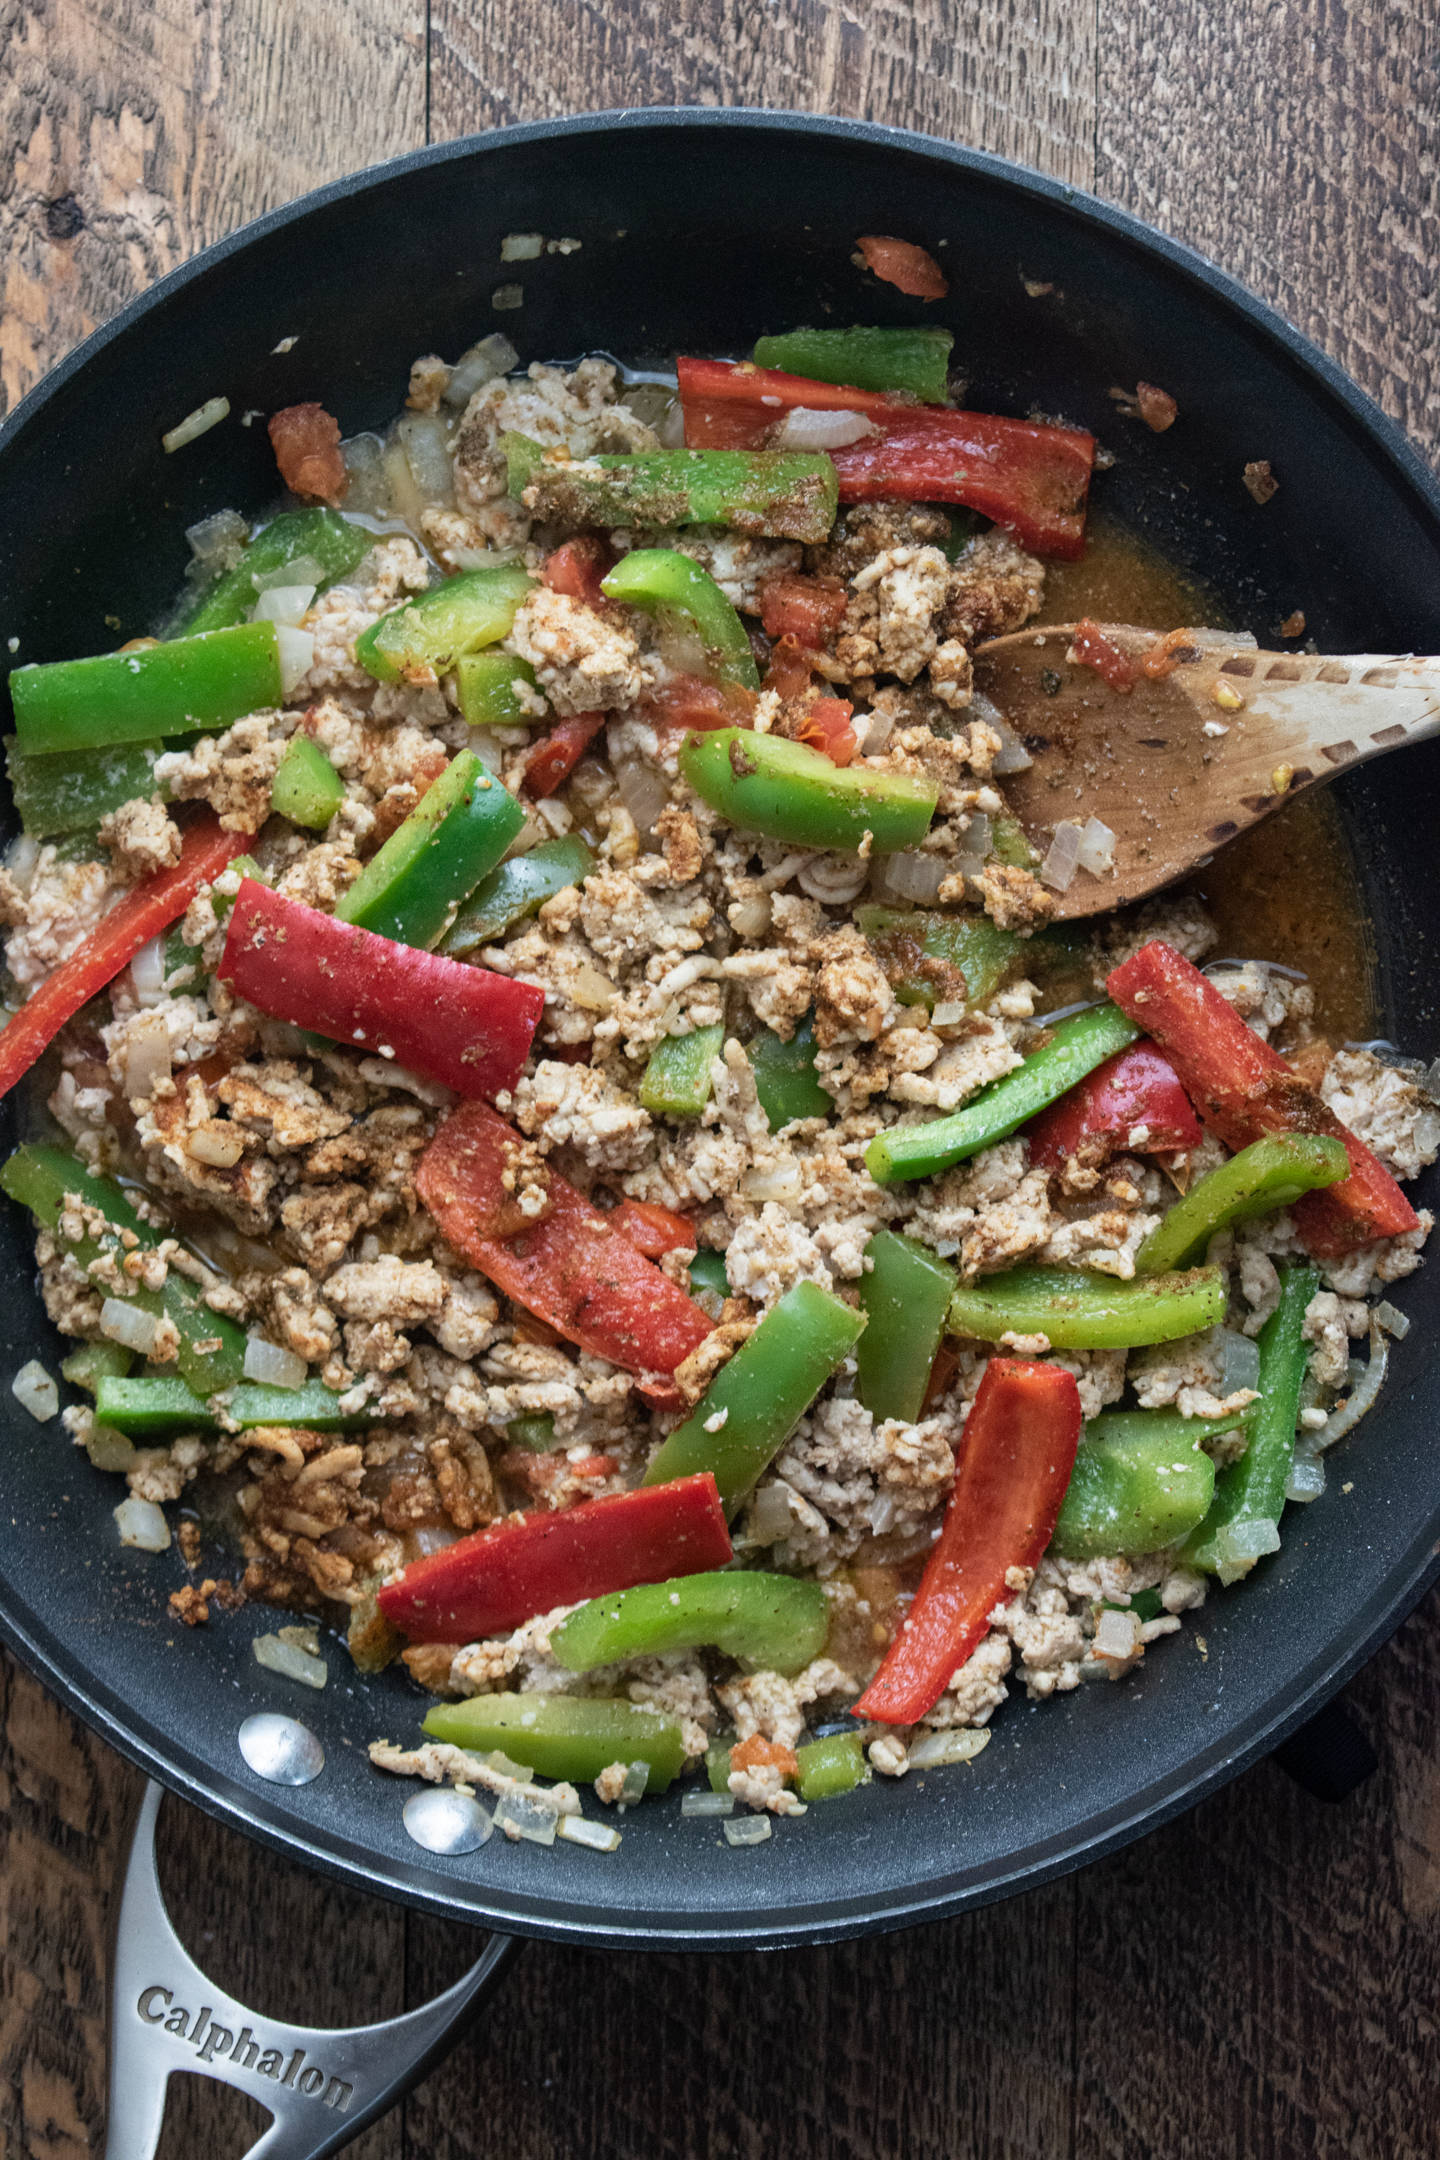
(702, 230)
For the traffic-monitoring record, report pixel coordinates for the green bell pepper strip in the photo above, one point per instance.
(147, 1409)
(1008, 844)
(831, 1766)
(212, 1348)
(684, 596)
(717, 1765)
(433, 630)
(307, 788)
(707, 1272)
(767, 784)
(1076, 1048)
(915, 361)
(763, 1391)
(785, 1078)
(782, 494)
(676, 1082)
(905, 1294)
(772, 1623)
(1243, 1520)
(1141, 1481)
(485, 685)
(72, 791)
(1260, 1180)
(1079, 1311)
(516, 889)
(973, 946)
(532, 1435)
(563, 1736)
(125, 697)
(319, 536)
(456, 833)
(94, 1362)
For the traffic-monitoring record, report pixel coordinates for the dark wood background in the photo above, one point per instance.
(1261, 1977)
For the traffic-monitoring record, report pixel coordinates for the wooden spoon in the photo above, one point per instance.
(1177, 766)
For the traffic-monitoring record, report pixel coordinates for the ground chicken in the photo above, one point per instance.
(141, 838)
(584, 661)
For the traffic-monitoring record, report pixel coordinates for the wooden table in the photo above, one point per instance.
(1261, 1977)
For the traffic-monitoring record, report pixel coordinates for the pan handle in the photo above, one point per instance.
(321, 2085)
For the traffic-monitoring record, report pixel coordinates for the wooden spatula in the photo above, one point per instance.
(1176, 767)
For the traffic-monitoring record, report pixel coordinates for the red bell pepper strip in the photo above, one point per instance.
(113, 943)
(570, 1267)
(460, 1025)
(556, 755)
(805, 608)
(1033, 480)
(506, 1574)
(1243, 1090)
(653, 1229)
(900, 263)
(1016, 1457)
(1093, 649)
(1137, 1087)
(576, 569)
(731, 405)
(827, 729)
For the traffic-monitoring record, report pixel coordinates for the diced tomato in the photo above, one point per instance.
(1136, 1091)
(789, 672)
(553, 759)
(1156, 407)
(577, 567)
(1033, 480)
(687, 701)
(653, 1229)
(827, 729)
(506, 1574)
(306, 442)
(809, 609)
(901, 263)
(1093, 649)
(1166, 654)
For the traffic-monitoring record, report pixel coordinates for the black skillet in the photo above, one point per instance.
(700, 231)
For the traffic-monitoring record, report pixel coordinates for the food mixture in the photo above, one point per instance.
(568, 1143)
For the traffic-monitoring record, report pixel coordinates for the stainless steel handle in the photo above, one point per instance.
(322, 2085)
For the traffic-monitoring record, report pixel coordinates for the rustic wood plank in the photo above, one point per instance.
(1297, 145)
(1017, 79)
(132, 134)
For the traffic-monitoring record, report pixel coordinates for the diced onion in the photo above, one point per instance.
(749, 1830)
(494, 355)
(599, 1836)
(204, 417)
(770, 1515)
(882, 1514)
(879, 727)
(108, 1449)
(960, 1744)
(700, 1802)
(301, 570)
(587, 987)
(1306, 1481)
(1097, 848)
(1241, 1361)
(835, 878)
(297, 655)
(591, 781)
(521, 1817)
(142, 1524)
(643, 791)
(128, 1325)
(554, 813)
(1013, 756)
(268, 1363)
(807, 429)
(783, 1181)
(284, 604)
(218, 540)
(1391, 1319)
(428, 1541)
(1117, 1634)
(1059, 867)
(751, 918)
(34, 1388)
(1240, 1545)
(949, 1013)
(913, 876)
(978, 837)
(522, 246)
(427, 452)
(147, 970)
(1361, 1398)
(637, 1777)
(289, 1660)
(22, 858)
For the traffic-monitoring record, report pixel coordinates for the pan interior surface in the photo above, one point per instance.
(701, 232)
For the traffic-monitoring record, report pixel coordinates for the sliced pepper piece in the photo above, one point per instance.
(735, 406)
(785, 1077)
(830, 1767)
(1141, 1481)
(553, 759)
(516, 889)
(1031, 480)
(777, 1623)
(568, 1267)
(652, 1229)
(1268, 1175)
(455, 835)
(321, 537)
(763, 1392)
(677, 1080)
(532, 1435)
(112, 945)
(783, 494)
(1243, 1090)
(563, 1736)
(486, 684)
(155, 1409)
(72, 791)
(1075, 1049)
(461, 1025)
(431, 632)
(94, 1362)
(1243, 1521)
(1132, 1104)
(905, 1294)
(707, 1273)
(576, 568)
(931, 957)
(915, 361)
(684, 597)
(1079, 1311)
(1015, 1463)
(125, 697)
(491, 1582)
(211, 1354)
(307, 788)
(766, 784)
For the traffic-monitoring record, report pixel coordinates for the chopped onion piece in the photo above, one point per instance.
(770, 1514)
(1059, 867)
(1427, 1131)
(219, 540)
(147, 1055)
(35, 1389)
(142, 1525)
(428, 1541)
(882, 1513)
(22, 859)
(599, 1836)
(1240, 1545)
(147, 970)
(978, 837)
(1013, 756)
(962, 1744)
(522, 246)
(498, 1761)
(1430, 1085)
(643, 791)
(422, 436)
(671, 431)
(949, 1013)
(805, 428)
(1241, 1361)
(289, 1660)
(1391, 1319)
(494, 355)
(782, 1181)
(700, 1802)
(913, 876)
(274, 1367)
(301, 570)
(284, 604)
(108, 1449)
(204, 417)
(297, 654)
(1306, 1481)
(637, 1777)
(1097, 848)
(521, 1817)
(1117, 1633)
(749, 1830)
(127, 1324)
(1361, 1398)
